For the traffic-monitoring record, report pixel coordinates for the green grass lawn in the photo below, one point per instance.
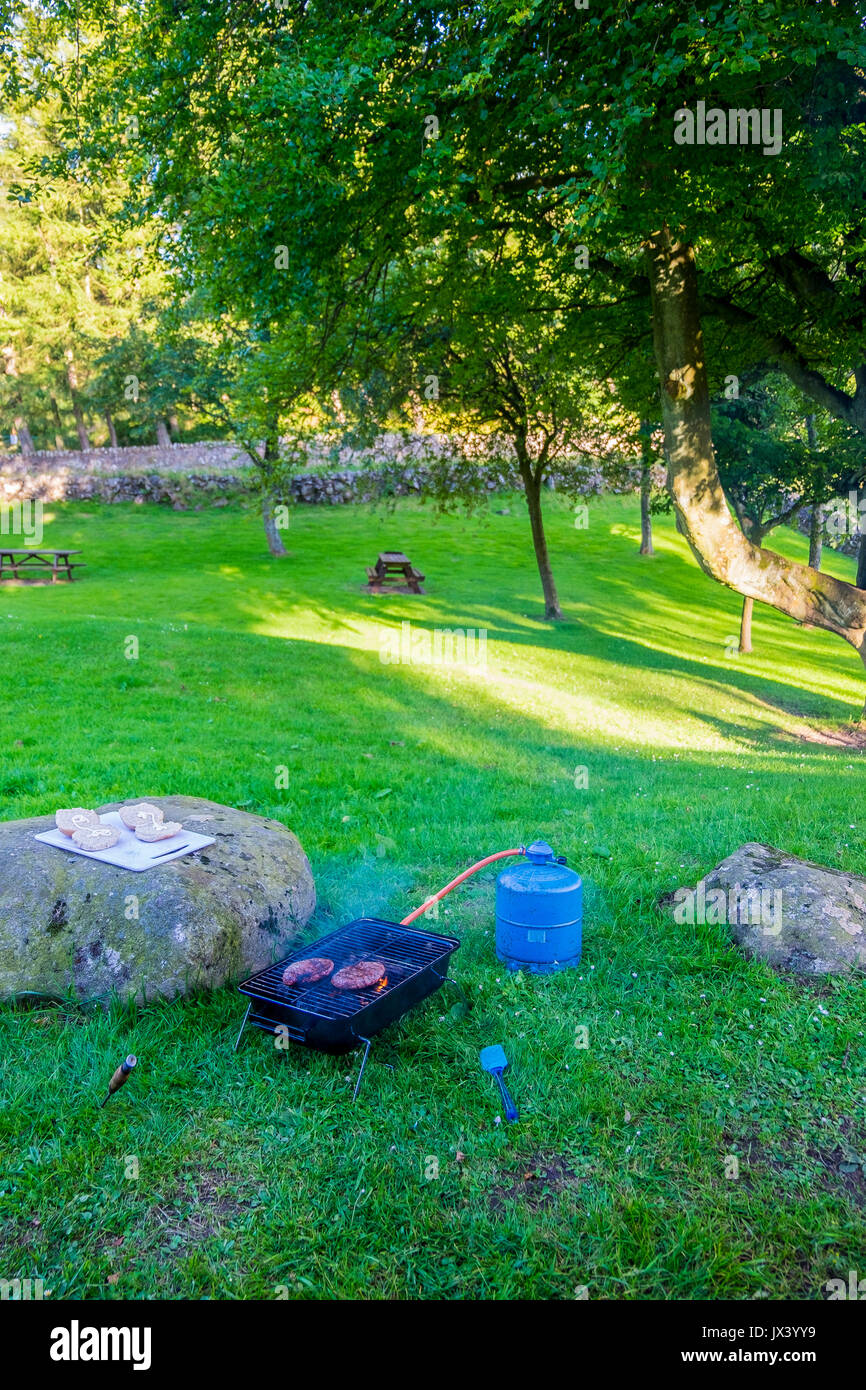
(255, 1173)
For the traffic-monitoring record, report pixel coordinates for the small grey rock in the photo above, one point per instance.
(795, 915)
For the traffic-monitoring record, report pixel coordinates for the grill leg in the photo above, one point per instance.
(366, 1042)
(464, 998)
(243, 1025)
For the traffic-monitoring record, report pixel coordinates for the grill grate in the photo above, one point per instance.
(334, 1020)
(403, 951)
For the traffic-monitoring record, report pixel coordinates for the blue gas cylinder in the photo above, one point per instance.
(539, 913)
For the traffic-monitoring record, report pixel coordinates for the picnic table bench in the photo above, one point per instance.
(39, 564)
(393, 569)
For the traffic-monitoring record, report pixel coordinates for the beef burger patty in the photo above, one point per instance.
(359, 976)
(307, 971)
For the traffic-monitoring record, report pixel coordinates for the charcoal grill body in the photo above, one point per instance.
(332, 1020)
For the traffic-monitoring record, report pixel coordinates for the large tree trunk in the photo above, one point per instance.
(721, 549)
(112, 432)
(532, 487)
(861, 563)
(646, 525)
(163, 438)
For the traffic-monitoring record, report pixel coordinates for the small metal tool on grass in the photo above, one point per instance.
(119, 1077)
(494, 1060)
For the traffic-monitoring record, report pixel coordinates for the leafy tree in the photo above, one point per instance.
(504, 320)
(503, 352)
(74, 278)
(248, 383)
(309, 128)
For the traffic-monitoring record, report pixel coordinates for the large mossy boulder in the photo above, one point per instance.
(795, 915)
(71, 925)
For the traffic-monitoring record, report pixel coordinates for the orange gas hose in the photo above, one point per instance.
(500, 854)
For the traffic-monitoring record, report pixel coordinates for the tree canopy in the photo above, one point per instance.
(355, 193)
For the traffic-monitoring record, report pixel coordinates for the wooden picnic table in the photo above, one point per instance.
(38, 564)
(394, 568)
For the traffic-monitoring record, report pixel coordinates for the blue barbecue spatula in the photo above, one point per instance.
(494, 1060)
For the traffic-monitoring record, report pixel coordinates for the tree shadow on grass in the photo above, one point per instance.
(615, 650)
(629, 613)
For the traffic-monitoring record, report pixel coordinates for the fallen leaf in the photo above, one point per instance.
(113, 1278)
(461, 1158)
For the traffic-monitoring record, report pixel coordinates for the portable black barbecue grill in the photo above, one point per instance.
(334, 1020)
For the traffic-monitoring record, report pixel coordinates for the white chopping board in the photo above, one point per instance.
(129, 852)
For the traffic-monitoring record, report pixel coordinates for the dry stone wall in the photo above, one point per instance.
(188, 474)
